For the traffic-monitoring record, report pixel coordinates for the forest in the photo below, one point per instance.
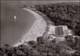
(63, 14)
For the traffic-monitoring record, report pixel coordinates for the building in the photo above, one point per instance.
(58, 32)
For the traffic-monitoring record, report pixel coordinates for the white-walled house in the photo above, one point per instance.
(58, 32)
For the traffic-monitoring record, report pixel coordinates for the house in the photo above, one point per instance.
(58, 32)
